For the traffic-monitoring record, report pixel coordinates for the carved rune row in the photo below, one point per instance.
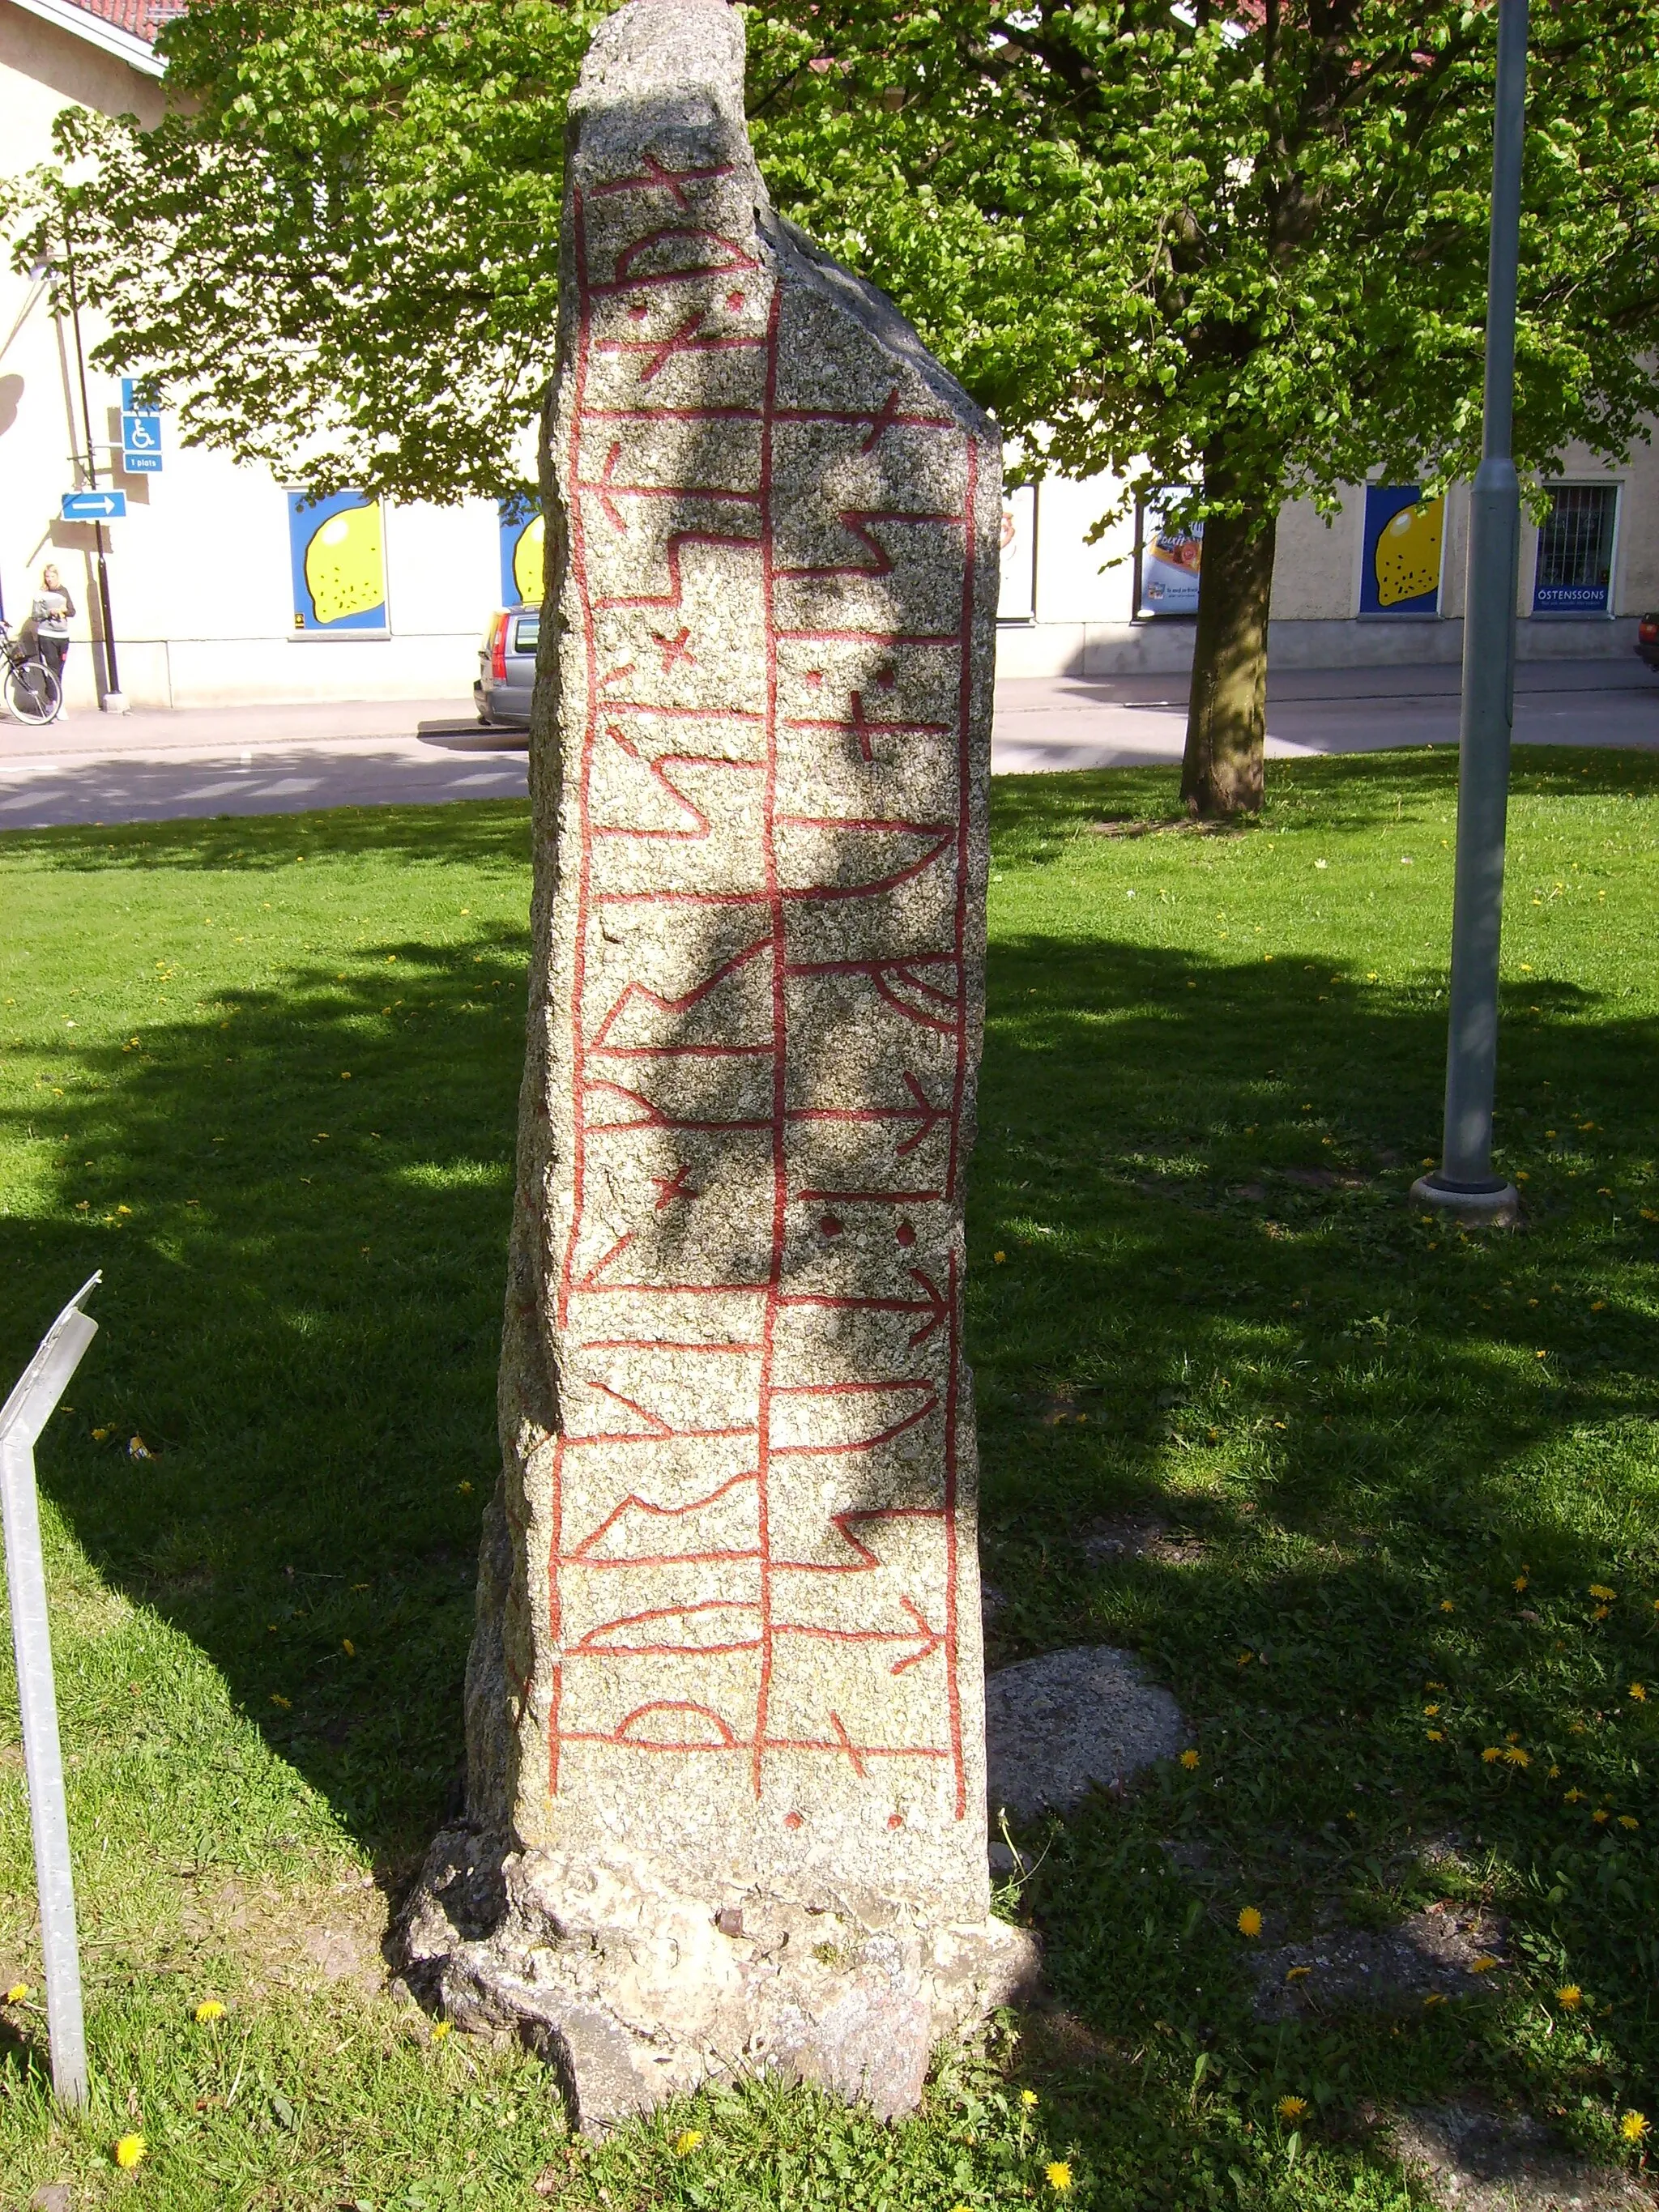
(753, 1497)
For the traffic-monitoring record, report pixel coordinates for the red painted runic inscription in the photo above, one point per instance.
(754, 1529)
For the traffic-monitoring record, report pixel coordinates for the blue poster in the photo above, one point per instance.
(521, 553)
(1170, 557)
(1400, 568)
(338, 558)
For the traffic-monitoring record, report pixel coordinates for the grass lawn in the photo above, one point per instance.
(264, 1073)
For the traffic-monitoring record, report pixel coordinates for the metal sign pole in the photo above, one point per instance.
(1464, 1183)
(25, 1413)
(113, 701)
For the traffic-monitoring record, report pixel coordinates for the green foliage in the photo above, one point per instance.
(339, 251)
(1211, 1067)
(1247, 251)
(1244, 249)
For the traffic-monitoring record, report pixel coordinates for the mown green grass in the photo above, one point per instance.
(282, 1124)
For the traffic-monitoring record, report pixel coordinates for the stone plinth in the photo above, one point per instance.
(725, 1701)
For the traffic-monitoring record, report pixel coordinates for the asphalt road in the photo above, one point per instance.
(285, 760)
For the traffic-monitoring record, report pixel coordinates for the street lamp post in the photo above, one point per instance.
(1464, 1183)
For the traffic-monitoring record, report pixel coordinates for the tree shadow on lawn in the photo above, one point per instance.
(473, 832)
(1244, 1410)
(304, 1329)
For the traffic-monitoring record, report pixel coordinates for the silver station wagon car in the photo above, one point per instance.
(506, 667)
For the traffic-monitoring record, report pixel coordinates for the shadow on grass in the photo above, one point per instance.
(1196, 1172)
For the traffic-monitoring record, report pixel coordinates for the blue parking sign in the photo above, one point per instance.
(141, 435)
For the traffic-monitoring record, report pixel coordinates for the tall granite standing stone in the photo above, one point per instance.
(725, 1701)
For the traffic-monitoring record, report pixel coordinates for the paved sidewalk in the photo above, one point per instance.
(266, 760)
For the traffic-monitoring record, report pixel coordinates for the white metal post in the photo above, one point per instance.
(25, 1413)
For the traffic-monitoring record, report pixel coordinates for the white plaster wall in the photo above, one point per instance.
(200, 582)
(199, 571)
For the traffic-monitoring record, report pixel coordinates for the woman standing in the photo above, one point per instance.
(50, 618)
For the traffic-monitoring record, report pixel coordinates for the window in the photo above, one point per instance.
(1017, 601)
(339, 560)
(1574, 575)
(521, 547)
(1400, 570)
(526, 631)
(1168, 555)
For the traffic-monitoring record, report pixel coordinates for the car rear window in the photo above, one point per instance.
(525, 631)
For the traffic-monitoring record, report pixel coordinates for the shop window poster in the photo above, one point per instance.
(337, 550)
(1167, 557)
(1574, 572)
(1399, 563)
(1017, 600)
(522, 540)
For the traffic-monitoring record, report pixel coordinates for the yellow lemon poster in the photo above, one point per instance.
(521, 553)
(338, 559)
(1399, 572)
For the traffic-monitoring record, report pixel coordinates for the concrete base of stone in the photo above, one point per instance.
(1497, 1208)
(635, 1991)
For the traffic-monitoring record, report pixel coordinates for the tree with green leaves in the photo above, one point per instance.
(339, 252)
(1238, 248)
(1241, 248)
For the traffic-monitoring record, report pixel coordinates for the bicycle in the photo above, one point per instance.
(31, 691)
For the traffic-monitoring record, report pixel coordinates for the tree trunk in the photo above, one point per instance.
(1226, 714)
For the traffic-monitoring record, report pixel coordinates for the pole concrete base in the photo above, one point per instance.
(114, 702)
(1498, 1206)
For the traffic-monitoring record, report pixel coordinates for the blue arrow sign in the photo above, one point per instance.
(94, 506)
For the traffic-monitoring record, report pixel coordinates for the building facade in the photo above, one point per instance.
(225, 587)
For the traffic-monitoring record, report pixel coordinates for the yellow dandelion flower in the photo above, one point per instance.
(1446, 1606)
(1189, 1760)
(1028, 2098)
(1484, 1964)
(1554, 1773)
(687, 2141)
(348, 1647)
(1493, 1753)
(1250, 1921)
(1600, 1815)
(1638, 1692)
(999, 1257)
(441, 2028)
(1436, 1735)
(1574, 1797)
(1569, 1996)
(1297, 1973)
(209, 2009)
(277, 1699)
(1516, 1757)
(1628, 1820)
(1600, 1590)
(1291, 2108)
(129, 2151)
(1599, 1612)
(1519, 1583)
(19, 1993)
(1058, 2175)
(1634, 2127)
